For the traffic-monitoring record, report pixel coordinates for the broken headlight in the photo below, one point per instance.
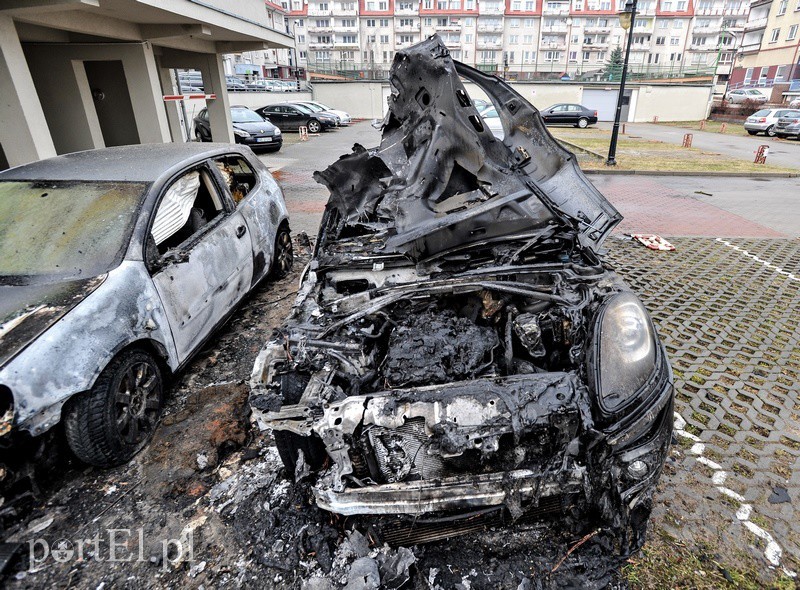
(627, 351)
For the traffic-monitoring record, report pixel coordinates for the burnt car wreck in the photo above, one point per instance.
(457, 345)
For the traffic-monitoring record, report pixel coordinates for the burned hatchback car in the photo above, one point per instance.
(457, 343)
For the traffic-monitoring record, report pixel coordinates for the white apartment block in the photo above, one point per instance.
(520, 37)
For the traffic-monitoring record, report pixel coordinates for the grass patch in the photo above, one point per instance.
(711, 126)
(645, 154)
(666, 562)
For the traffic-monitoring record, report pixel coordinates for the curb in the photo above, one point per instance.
(712, 174)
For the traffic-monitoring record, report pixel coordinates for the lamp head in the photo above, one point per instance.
(626, 14)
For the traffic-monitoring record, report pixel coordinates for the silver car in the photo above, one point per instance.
(115, 266)
(788, 126)
(764, 121)
(745, 94)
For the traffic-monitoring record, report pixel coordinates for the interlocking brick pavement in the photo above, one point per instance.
(730, 325)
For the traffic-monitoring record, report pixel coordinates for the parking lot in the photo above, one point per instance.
(725, 302)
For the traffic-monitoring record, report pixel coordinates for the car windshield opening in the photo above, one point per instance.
(65, 229)
(245, 116)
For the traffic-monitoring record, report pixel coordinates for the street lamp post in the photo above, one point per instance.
(569, 43)
(627, 18)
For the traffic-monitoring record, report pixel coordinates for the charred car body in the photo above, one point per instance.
(115, 267)
(457, 344)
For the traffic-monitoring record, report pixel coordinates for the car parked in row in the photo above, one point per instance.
(290, 116)
(788, 126)
(344, 117)
(744, 94)
(116, 265)
(764, 121)
(569, 114)
(249, 128)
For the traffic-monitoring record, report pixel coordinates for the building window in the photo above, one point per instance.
(468, 38)
(792, 33)
(666, 6)
(780, 74)
(303, 55)
(349, 39)
(530, 6)
(301, 38)
(384, 22)
(370, 22)
(469, 22)
(383, 6)
(349, 22)
(573, 56)
(552, 55)
(514, 23)
(385, 39)
(782, 7)
(678, 24)
(528, 39)
(775, 34)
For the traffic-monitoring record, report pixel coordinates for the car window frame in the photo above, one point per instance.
(221, 181)
(159, 262)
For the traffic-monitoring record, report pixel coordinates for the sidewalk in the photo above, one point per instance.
(782, 152)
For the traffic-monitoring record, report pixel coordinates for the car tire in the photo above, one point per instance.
(313, 126)
(113, 421)
(770, 131)
(583, 123)
(751, 132)
(289, 444)
(283, 256)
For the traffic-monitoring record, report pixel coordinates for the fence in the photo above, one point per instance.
(578, 71)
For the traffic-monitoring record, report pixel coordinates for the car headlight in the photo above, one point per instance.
(277, 131)
(627, 351)
(241, 133)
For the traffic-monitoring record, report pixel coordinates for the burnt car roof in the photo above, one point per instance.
(130, 163)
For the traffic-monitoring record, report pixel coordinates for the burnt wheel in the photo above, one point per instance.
(290, 444)
(283, 259)
(313, 126)
(115, 419)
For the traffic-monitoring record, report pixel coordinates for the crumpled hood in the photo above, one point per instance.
(441, 181)
(26, 311)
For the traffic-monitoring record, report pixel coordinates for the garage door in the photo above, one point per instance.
(602, 100)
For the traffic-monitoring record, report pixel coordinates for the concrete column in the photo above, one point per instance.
(219, 112)
(141, 74)
(172, 108)
(24, 134)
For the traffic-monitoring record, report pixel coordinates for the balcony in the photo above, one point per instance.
(323, 29)
(490, 44)
(343, 12)
(406, 12)
(445, 28)
(452, 43)
(561, 10)
(315, 45)
(318, 12)
(709, 11)
(559, 28)
(754, 25)
(491, 10)
(735, 11)
(640, 47)
(698, 47)
(750, 47)
(345, 29)
(597, 30)
(712, 30)
(490, 28)
(407, 28)
(595, 46)
(347, 45)
(552, 46)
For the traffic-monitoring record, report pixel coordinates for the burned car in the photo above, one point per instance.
(115, 267)
(457, 345)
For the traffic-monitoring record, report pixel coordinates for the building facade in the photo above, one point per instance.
(524, 39)
(770, 51)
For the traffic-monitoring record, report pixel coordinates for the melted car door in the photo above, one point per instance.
(203, 261)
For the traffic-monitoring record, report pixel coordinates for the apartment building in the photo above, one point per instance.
(525, 39)
(770, 50)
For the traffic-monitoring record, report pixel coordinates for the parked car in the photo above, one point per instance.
(795, 104)
(262, 84)
(291, 116)
(569, 114)
(249, 128)
(492, 121)
(764, 121)
(344, 117)
(459, 355)
(744, 94)
(116, 265)
(237, 87)
(788, 126)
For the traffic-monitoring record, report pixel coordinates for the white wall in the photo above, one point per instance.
(256, 100)
(367, 100)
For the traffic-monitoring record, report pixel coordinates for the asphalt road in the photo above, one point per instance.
(782, 152)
